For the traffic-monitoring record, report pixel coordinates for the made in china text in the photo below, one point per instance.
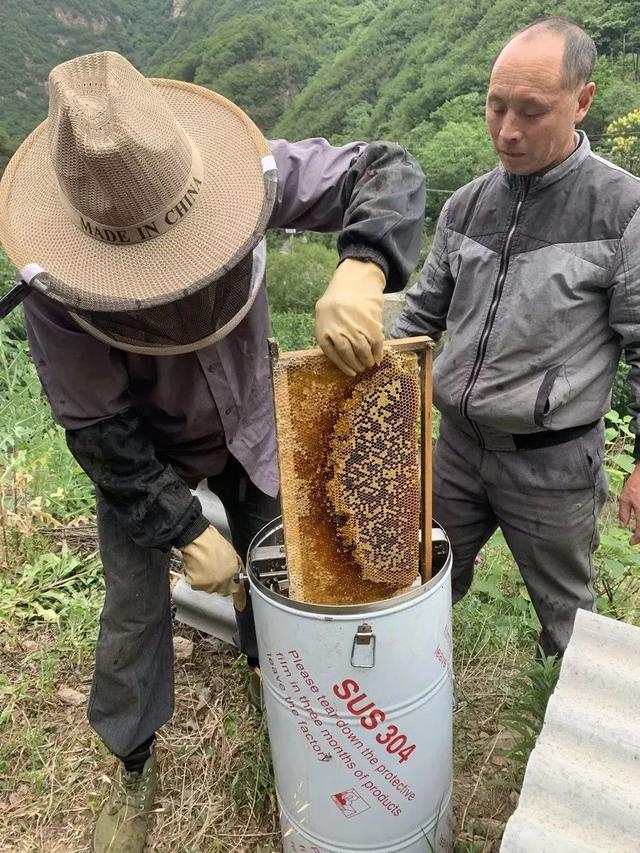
(147, 230)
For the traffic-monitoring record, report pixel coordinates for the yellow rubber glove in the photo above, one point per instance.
(211, 563)
(349, 316)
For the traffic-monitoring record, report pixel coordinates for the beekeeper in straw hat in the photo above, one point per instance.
(136, 216)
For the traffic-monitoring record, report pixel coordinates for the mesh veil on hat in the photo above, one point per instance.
(138, 195)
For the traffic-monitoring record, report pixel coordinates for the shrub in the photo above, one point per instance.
(297, 279)
(293, 330)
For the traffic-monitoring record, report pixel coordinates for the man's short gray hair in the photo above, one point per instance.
(580, 52)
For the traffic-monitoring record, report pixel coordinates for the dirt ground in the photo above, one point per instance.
(215, 788)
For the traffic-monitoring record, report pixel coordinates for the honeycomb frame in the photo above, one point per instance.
(312, 400)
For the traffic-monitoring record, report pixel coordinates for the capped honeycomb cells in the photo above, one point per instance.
(350, 476)
(373, 484)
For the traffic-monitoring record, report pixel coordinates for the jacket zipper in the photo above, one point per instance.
(493, 310)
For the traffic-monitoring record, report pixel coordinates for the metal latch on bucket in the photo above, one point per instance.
(363, 651)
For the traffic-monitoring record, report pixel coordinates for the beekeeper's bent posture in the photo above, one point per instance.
(137, 212)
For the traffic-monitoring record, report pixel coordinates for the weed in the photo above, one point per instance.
(298, 274)
(531, 690)
(11, 695)
(498, 608)
(252, 782)
(619, 442)
(617, 576)
(293, 331)
(47, 589)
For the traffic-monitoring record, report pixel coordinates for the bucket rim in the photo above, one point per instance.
(343, 610)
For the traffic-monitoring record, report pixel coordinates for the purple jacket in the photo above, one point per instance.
(134, 420)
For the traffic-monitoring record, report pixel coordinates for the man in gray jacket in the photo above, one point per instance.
(535, 275)
(136, 215)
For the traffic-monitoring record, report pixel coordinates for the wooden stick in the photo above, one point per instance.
(416, 345)
(426, 465)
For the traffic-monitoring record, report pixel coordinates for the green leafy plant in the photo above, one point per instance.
(619, 442)
(497, 584)
(40, 482)
(617, 576)
(293, 331)
(621, 392)
(531, 690)
(624, 144)
(49, 587)
(298, 273)
(11, 695)
(253, 781)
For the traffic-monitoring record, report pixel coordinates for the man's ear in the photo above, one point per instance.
(585, 99)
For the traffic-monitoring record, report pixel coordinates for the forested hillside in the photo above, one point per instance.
(37, 34)
(409, 70)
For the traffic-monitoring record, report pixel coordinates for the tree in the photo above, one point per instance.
(607, 25)
(297, 278)
(7, 149)
(459, 110)
(624, 144)
(614, 97)
(453, 156)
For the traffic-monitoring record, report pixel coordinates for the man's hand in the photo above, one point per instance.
(210, 563)
(349, 316)
(630, 503)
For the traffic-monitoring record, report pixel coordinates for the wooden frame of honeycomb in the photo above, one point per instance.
(355, 472)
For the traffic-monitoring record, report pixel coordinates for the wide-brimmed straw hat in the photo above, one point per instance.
(134, 192)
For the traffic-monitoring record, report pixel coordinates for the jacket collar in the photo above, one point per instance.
(538, 182)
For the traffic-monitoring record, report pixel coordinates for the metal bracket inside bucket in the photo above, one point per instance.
(363, 650)
(270, 565)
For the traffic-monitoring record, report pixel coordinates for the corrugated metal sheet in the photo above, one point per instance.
(209, 613)
(581, 790)
(212, 614)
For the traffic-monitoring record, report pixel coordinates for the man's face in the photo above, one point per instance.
(530, 116)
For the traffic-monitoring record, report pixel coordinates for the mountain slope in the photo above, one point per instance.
(35, 35)
(264, 58)
(417, 55)
(399, 69)
(372, 68)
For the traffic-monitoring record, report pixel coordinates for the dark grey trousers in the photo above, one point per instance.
(132, 693)
(546, 502)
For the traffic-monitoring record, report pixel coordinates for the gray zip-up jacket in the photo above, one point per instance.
(537, 283)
